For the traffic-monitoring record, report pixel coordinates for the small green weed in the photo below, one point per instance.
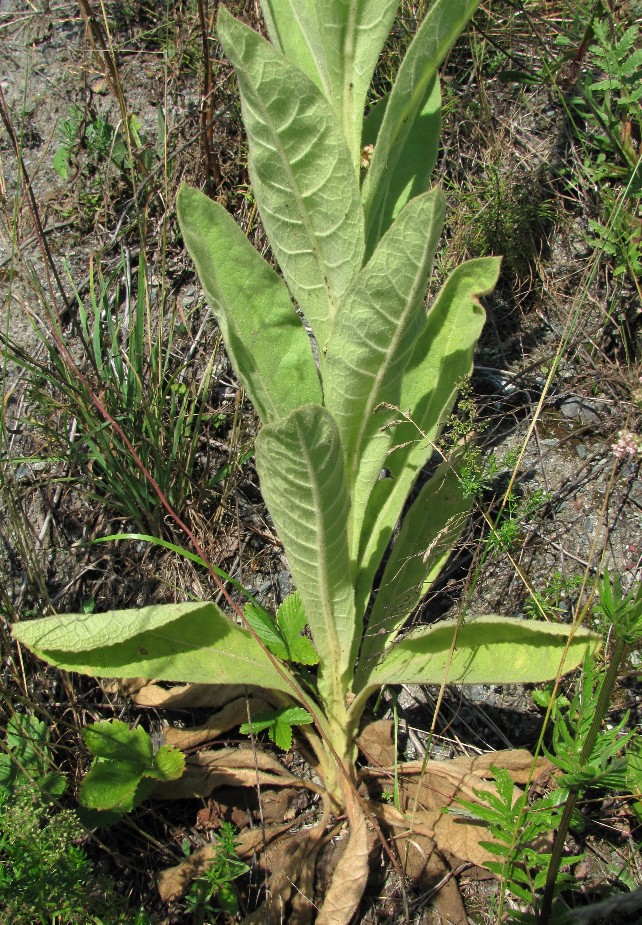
(279, 724)
(26, 758)
(125, 769)
(45, 876)
(589, 754)
(551, 601)
(214, 890)
(516, 513)
(101, 141)
(608, 121)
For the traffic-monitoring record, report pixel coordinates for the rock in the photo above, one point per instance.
(578, 409)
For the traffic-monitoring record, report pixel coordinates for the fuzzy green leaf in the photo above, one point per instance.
(305, 184)
(441, 358)
(300, 464)
(337, 45)
(418, 155)
(488, 650)
(408, 99)
(264, 336)
(352, 35)
(375, 333)
(293, 28)
(425, 541)
(191, 642)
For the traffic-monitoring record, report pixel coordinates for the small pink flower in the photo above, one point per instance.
(627, 445)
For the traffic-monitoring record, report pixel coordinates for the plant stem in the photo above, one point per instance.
(601, 709)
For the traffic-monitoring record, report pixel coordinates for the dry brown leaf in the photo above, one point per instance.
(351, 873)
(517, 761)
(191, 696)
(126, 686)
(376, 743)
(174, 882)
(292, 861)
(232, 714)
(427, 788)
(233, 767)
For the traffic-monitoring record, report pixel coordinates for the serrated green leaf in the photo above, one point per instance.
(110, 785)
(265, 338)
(115, 740)
(26, 739)
(376, 330)
(294, 716)
(258, 724)
(281, 735)
(306, 187)
(266, 629)
(169, 764)
(300, 464)
(292, 621)
(192, 642)
(442, 25)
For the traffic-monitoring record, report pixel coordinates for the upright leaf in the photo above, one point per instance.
(425, 541)
(300, 464)
(189, 642)
(293, 28)
(417, 157)
(408, 99)
(441, 357)
(487, 650)
(264, 336)
(380, 320)
(305, 184)
(353, 33)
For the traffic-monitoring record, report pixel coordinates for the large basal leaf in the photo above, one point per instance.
(300, 464)
(425, 541)
(188, 642)
(379, 322)
(305, 183)
(264, 336)
(443, 23)
(418, 156)
(487, 650)
(442, 356)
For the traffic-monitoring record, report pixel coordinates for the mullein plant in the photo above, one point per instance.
(352, 378)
